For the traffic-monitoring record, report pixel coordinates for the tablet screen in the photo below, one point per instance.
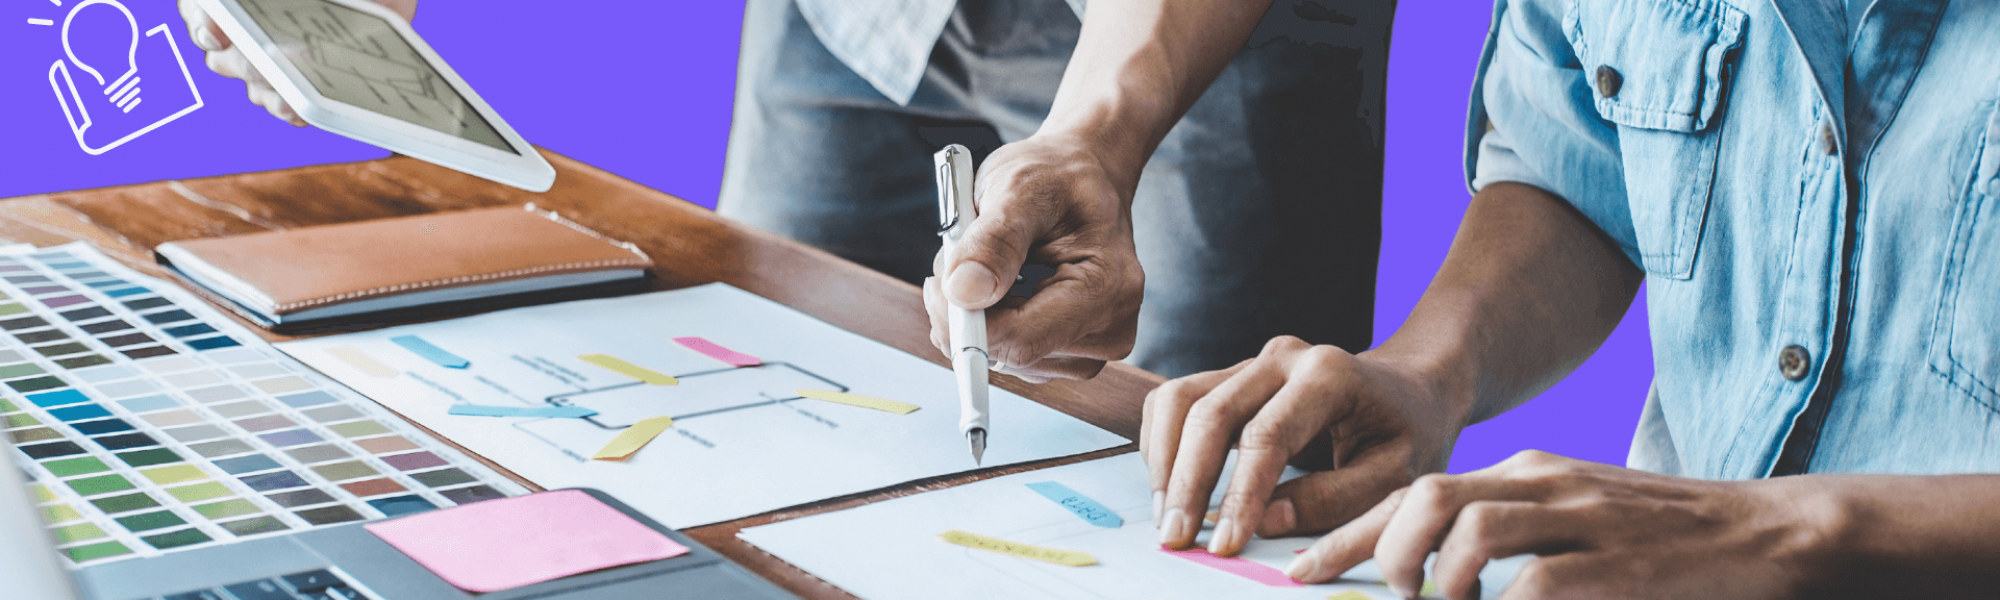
(359, 59)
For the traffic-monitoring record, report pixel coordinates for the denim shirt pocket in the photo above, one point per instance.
(1659, 70)
(1965, 341)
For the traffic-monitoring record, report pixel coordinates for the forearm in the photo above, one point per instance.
(1138, 66)
(1528, 291)
(1903, 536)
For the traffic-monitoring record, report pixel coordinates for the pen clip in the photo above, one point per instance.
(947, 191)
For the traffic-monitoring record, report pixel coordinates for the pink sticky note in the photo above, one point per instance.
(717, 352)
(1247, 569)
(511, 542)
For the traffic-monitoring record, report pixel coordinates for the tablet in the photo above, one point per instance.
(355, 68)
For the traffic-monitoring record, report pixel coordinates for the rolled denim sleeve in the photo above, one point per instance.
(1532, 121)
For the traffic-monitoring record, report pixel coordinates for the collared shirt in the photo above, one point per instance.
(1816, 209)
(886, 42)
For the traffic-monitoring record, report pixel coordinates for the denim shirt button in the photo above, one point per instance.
(1608, 81)
(1793, 362)
(1827, 144)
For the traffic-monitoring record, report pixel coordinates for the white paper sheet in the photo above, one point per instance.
(890, 550)
(742, 441)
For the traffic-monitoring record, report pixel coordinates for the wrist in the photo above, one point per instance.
(1117, 129)
(1814, 523)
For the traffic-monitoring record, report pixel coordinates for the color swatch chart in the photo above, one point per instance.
(152, 423)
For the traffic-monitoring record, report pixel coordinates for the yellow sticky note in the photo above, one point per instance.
(633, 438)
(1350, 595)
(861, 401)
(174, 474)
(362, 362)
(649, 376)
(979, 542)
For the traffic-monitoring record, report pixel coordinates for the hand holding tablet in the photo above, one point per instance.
(354, 67)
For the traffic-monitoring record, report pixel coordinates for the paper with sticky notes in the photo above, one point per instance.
(556, 412)
(1068, 558)
(881, 404)
(717, 352)
(904, 532)
(504, 544)
(633, 438)
(1084, 508)
(887, 417)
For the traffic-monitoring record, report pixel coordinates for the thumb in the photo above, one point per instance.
(987, 258)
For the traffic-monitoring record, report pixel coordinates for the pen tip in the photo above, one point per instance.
(977, 438)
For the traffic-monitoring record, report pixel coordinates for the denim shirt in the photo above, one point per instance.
(1815, 208)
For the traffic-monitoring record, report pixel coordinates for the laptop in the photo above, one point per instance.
(337, 563)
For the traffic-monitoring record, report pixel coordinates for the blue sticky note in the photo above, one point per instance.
(559, 412)
(1085, 508)
(430, 352)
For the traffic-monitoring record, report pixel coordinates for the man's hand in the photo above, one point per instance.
(1046, 199)
(228, 61)
(1601, 532)
(1374, 423)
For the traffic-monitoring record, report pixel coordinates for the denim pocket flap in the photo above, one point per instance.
(1655, 64)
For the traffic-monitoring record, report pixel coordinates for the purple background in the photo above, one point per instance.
(643, 89)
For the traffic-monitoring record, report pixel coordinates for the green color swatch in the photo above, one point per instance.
(151, 520)
(128, 502)
(226, 508)
(20, 370)
(57, 513)
(91, 486)
(21, 420)
(12, 309)
(38, 434)
(147, 458)
(184, 537)
(79, 532)
(199, 492)
(96, 551)
(81, 465)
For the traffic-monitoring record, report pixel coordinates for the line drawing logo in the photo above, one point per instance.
(114, 114)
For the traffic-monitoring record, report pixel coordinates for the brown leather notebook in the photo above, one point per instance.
(315, 274)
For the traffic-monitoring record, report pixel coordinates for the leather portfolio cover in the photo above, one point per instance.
(351, 268)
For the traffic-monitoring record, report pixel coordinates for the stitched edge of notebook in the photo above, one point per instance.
(404, 287)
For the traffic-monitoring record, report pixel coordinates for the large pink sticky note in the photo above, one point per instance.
(1247, 569)
(717, 352)
(508, 543)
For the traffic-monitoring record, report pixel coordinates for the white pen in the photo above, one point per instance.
(967, 327)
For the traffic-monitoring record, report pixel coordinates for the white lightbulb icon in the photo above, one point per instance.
(123, 91)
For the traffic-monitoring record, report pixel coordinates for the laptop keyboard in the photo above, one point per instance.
(310, 585)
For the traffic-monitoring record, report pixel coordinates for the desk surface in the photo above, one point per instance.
(689, 246)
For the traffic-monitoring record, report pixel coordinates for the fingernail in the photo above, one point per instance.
(1303, 566)
(971, 282)
(1279, 517)
(1173, 528)
(1400, 590)
(1159, 501)
(1226, 540)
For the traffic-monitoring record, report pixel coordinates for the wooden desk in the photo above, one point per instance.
(689, 246)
